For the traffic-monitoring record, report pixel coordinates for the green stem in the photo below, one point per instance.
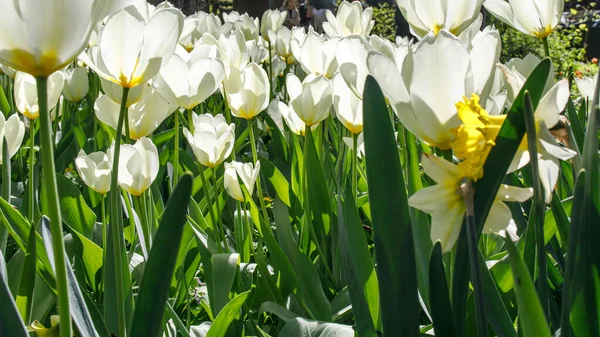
(354, 163)
(468, 193)
(270, 71)
(219, 223)
(5, 192)
(31, 172)
(209, 203)
(176, 151)
(53, 209)
(117, 220)
(255, 160)
(104, 242)
(546, 48)
(190, 114)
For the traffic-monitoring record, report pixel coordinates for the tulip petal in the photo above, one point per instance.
(553, 102)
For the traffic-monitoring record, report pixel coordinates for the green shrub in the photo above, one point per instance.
(385, 21)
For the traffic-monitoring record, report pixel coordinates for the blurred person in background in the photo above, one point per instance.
(293, 17)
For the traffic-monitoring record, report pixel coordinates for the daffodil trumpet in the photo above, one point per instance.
(53, 207)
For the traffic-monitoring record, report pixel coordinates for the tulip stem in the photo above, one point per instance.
(354, 164)
(261, 199)
(31, 172)
(53, 209)
(116, 220)
(209, 204)
(218, 214)
(190, 114)
(546, 48)
(176, 151)
(5, 191)
(468, 193)
(104, 238)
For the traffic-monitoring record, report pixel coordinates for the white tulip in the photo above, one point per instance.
(586, 86)
(115, 92)
(41, 37)
(247, 91)
(189, 33)
(138, 165)
(187, 84)
(144, 116)
(425, 16)
(95, 170)
(207, 23)
(447, 208)
(351, 56)
(247, 172)
(310, 99)
(134, 58)
(212, 140)
(272, 20)
(436, 76)
(350, 19)
(26, 97)
(234, 51)
(76, 84)
(10, 72)
(534, 17)
(316, 55)
(348, 107)
(360, 144)
(11, 132)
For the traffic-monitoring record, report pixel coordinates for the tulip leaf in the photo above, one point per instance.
(358, 268)
(318, 196)
(531, 315)
(224, 268)
(156, 281)
(230, 312)
(441, 310)
(11, 325)
(4, 105)
(300, 327)
(25, 294)
(394, 247)
(79, 311)
(495, 168)
(278, 182)
(75, 212)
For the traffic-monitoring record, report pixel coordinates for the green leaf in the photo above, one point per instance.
(229, 313)
(75, 212)
(224, 268)
(441, 309)
(25, 294)
(301, 327)
(308, 278)
(4, 105)
(11, 325)
(358, 268)
(495, 168)
(531, 316)
(394, 248)
(276, 309)
(318, 196)
(277, 181)
(155, 285)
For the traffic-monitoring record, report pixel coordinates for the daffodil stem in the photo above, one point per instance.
(176, 151)
(539, 206)
(255, 160)
(468, 193)
(546, 48)
(5, 192)
(53, 208)
(31, 172)
(116, 220)
(354, 164)
(209, 205)
(218, 215)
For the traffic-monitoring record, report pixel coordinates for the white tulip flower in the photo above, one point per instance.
(134, 58)
(144, 116)
(350, 19)
(234, 50)
(115, 92)
(351, 56)
(76, 84)
(138, 165)
(348, 107)
(447, 207)
(360, 144)
(424, 86)
(247, 172)
(310, 99)
(187, 84)
(316, 55)
(247, 91)
(272, 20)
(425, 16)
(213, 139)
(95, 170)
(26, 97)
(533, 17)
(11, 132)
(586, 86)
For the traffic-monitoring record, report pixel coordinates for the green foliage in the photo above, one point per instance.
(384, 15)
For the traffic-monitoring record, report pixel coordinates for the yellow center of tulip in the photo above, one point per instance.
(544, 32)
(47, 63)
(475, 137)
(437, 28)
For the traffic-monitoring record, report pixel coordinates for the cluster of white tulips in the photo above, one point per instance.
(446, 86)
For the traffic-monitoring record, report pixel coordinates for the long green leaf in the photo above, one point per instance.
(155, 285)
(224, 268)
(441, 310)
(10, 322)
(25, 294)
(394, 248)
(229, 313)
